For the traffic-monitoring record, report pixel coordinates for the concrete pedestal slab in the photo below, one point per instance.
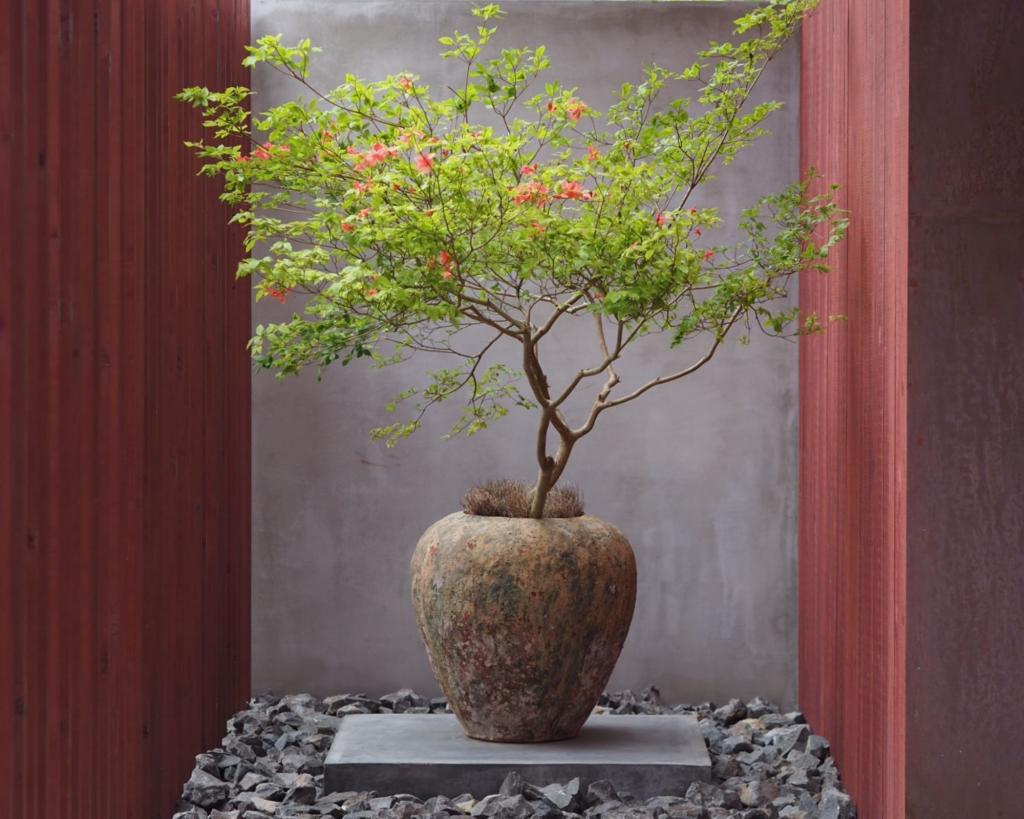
(428, 754)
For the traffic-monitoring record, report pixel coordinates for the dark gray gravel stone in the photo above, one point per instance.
(759, 706)
(765, 765)
(601, 791)
(205, 789)
(512, 786)
(566, 798)
(731, 713)
(817, 747)
(786, 739)
(487, 805)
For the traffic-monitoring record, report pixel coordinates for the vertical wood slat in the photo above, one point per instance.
(854, 96)
(124, 409)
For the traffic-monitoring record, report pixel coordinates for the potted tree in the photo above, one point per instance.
(473, 223)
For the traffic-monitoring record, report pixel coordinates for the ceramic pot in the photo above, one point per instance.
(523, 619)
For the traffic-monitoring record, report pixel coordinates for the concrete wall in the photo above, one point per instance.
(701, 475)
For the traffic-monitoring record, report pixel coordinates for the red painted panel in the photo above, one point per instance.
(124, 409)
(853, 401)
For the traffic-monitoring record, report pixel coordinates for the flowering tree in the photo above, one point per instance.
(404, 219)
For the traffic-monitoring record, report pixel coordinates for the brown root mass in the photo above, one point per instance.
(506, 498)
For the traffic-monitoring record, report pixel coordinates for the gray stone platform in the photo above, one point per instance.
(427, 755)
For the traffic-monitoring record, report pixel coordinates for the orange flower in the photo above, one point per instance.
(533, 192)
(371, 292)
(528, 170)
(348, 227)
(572, 190)
(363, 213)
(593, 154)
(576, 109)
(263, 152)
(406, 83)
(424, 162)
(278, 294)
(378, 153)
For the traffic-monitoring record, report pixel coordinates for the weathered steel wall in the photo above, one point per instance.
(853, 401)
(912, 428)
(124, 409)
(965, 411)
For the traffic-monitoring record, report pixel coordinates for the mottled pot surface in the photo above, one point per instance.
(523, 619)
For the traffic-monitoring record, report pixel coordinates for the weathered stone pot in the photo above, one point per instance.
(523, 619)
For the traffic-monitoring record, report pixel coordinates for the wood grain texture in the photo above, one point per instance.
(124, 409)
(853, 401)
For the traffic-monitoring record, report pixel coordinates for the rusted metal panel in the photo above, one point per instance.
(853, 401)
(965, 460)
(124, 409)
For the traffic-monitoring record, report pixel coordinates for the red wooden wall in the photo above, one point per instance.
(912, 420)
(853, 400)
(124, 409)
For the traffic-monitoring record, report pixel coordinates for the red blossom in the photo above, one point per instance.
(573, 190)
(528, 170)
(533, 192)
(364, 213)
(263, 152)
(424, 162)
(408, 136)
(372, 292)
(406, 83)
(593, 154)
(576, 109)
(348, 227)
(709, 255)
(378, 153)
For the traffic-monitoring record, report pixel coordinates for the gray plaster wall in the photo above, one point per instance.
(701, 475)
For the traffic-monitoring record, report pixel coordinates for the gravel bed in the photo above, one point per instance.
(765, 765)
